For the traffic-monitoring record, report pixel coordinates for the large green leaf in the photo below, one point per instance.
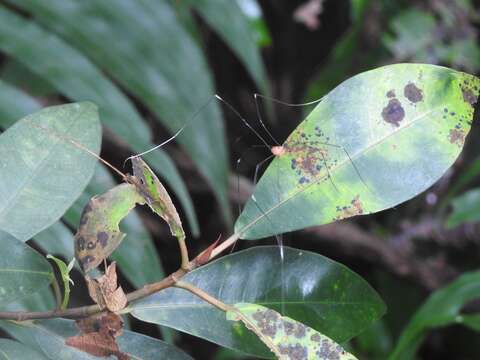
(443, 308)
(75, 76)
(50, 338)
(42, 300)
(42, 173)
(23, 271)
(10, 349)
(394, 131)
(305, 286)
(137, 258)
(228, 20)
(141, 44)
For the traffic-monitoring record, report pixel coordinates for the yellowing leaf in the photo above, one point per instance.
(156, 196)
(98, 234)
(285, 337)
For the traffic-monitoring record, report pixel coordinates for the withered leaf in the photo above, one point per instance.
(97, 336)
(156, 196)
(105, 291)
(98, 234)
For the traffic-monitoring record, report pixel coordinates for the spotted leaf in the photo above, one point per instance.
(98, 234)
(156, 196)
(285, 337)
(375, 141)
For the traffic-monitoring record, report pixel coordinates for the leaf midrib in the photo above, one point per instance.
(334, 168)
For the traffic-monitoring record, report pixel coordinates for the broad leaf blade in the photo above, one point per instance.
(50, 337)
(23, 271)
(229, 21)
(286, 337)
(75, 76)
(174, 87)
(10, 349)
(375, 141)
(42, 172)
(308, 287)
(442, 308)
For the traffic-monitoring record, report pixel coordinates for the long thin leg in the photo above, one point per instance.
(351, 160)
(328, 171)
(243, 120)
(256, 96)
(195, 114)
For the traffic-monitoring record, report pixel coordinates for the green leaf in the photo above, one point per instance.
(23, 271)
(375, 141)
(74, 75)
(98, 234)
(284, 336)
(471, 321)
(414, 33)
(156, 197)
(464, 179)
(136, 256)
(466, 209)
(14, 104)
(174, 87)
(308, 287)
(65, 274)
(42, 173)
(229, 21)
(442, 308)
(42, 300)
(10, 349)
(50, 337)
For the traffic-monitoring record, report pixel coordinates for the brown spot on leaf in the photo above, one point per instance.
(469, 96)
(329, 350)
(86, 260)
(294, 352)
(355, 208)
(97, 336)
(413, 93)
(391, 93)
(393, 113)
(266, 321)
(457, 136)
(102, 238)
(80, 243)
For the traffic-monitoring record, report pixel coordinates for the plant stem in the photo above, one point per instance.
(57, 292)
(203, 295)
(84, 311)
(184, 253)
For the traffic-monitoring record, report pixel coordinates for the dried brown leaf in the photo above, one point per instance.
(97, 336)
(105, 291)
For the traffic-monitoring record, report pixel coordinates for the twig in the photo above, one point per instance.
(57, 292)
(149, 289)
(203, 295)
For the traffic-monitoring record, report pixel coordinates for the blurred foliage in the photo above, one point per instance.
(138, 77)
